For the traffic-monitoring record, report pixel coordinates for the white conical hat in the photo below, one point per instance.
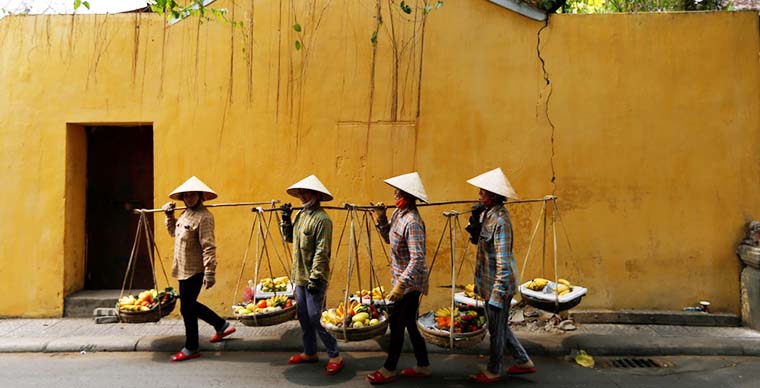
(496, 182)
(311, 182)
(193, 184)
(409, 183)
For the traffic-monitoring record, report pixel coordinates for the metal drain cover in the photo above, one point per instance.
(634, 363)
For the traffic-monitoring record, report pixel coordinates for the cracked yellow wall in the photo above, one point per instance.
(653, 148)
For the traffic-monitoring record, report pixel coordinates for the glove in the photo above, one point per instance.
(313, 286)
(168, 208)
(286, 209)
(379, 211)
(397, 293)
(209, 279)
(474, 225)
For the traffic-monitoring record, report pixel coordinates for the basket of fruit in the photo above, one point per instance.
(266, 312)
(168, 300)
(146, 306)
(552, 297)
(470, 300)
(469, 328)
(269, 287)
(358, 322)
(376, 297)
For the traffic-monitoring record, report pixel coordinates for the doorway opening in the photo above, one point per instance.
(119, 179)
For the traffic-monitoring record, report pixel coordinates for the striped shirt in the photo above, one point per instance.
(406, 235)
(495, 268)
(194, 246)
(311, 235)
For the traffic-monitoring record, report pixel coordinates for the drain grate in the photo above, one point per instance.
(634, 363)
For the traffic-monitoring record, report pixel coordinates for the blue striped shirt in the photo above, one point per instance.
(495, 268)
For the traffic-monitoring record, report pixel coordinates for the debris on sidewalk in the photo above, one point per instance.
(584, 359)
(535, 320)
(105, 315)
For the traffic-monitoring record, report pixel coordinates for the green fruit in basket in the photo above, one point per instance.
(360, 317)
(374, 322)
(357, 325)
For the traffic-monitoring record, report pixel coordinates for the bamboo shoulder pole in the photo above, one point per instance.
(272, 202)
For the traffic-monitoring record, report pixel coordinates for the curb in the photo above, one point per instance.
(598, 345)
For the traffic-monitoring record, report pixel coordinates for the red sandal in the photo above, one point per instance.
(179, 356)
(219, 336)
(376, 378)
(411, 372)
(334, 367)
(481, 378)
(299, 359)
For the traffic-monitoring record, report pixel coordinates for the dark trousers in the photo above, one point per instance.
(309, 307)
(192, 310)
(502, 339)
(404, 316)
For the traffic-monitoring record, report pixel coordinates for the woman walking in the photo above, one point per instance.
(406, 235)
(194, 263)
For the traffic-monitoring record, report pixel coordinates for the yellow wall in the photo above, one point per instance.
(653, 149)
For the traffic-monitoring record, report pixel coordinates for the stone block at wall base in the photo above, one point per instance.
(750, 291)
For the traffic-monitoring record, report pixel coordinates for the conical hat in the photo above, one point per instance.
(496, 182)
(409, 183)
(311, 182)
(193, 184)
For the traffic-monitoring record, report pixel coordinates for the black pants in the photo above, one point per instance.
(404, 316)
(192, 310)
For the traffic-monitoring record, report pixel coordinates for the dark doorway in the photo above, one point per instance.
(119, 179)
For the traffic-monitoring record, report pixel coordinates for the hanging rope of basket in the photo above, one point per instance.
(432, 325)
(352, 320)
(150, 305)
(541, 293)
(259, 312)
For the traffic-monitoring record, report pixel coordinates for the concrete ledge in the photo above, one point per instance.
(655, 317)
(93, 344)
(23, 345)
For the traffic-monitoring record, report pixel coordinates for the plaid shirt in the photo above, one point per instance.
(194, 247)
(406, 234)
(495, 268)
(311, 235)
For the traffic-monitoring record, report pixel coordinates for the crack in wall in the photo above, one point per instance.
(546, 103)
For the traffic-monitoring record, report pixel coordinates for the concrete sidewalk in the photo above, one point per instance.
(80, 334)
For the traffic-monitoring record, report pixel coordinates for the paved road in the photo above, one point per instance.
(238, 369)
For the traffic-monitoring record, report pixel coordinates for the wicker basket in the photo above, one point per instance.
(140, 316)
(551, 306)
(270, 318)
(168, 306)
(359, 334)
(441, 337)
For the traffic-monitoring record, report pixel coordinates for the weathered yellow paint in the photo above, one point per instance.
(74, 227)
(654, 146)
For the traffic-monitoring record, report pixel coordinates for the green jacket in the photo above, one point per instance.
(311, 235)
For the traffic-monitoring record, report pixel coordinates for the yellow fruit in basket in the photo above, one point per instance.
(563, 289)
(357, 325)
(565, 282)
(360, 317)
(538, 284)
(374, 321)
